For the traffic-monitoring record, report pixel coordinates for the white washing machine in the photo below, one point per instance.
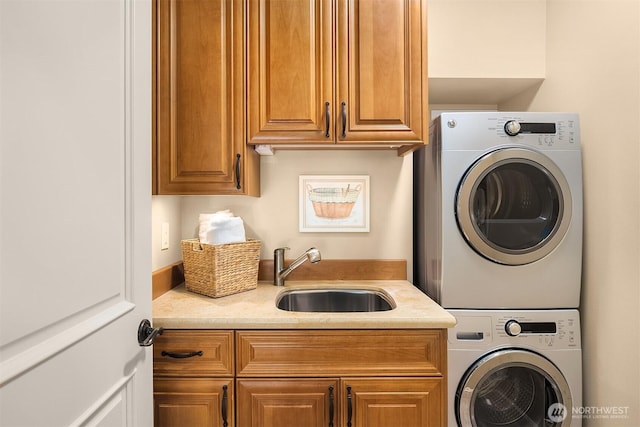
(498, 211)
(515, 368)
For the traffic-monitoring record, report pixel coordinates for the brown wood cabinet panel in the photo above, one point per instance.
(215, 359)
(337, 71)
(406, 402)
(200, 99)
(341, 269)
(293, 378)
(290, 71)
(287, 402)
(300, 353)
(193, 402)
(382, 70)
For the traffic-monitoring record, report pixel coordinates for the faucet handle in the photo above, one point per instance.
(282, 249)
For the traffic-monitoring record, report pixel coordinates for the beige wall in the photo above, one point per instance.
(273, 217)
(486, 38)
(165, 209)
(593, 67)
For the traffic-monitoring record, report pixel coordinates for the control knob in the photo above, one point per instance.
(513, 328)
(512, 127)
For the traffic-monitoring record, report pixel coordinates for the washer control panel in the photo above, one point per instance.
(536, 329)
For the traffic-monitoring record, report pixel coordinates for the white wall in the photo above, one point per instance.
(273, 217)
(593, 67)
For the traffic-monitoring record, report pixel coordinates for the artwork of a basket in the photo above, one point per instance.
(333, 202)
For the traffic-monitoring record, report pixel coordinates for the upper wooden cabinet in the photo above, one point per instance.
(200, 100)
(343, 71)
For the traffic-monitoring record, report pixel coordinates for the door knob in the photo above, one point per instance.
(146, 333)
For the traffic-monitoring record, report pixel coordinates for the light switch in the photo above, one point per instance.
(164, 245)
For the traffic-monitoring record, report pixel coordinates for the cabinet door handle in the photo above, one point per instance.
(223, 410)
(349, 406)
(238, 171)
(331, 403)
(182, 355)
(327, 119)
(344, 119)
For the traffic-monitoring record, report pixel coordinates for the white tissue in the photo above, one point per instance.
(221, 227)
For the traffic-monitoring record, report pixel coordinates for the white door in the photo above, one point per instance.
(75, 212)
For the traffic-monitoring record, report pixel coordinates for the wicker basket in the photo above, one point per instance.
(219, 270)
(333, 203)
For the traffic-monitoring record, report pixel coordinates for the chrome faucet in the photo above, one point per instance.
(279, 270)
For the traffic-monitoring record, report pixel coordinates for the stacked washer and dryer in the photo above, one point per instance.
(498, 242)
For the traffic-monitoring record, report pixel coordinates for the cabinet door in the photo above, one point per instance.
(193, 402)
(200, 99)
(287, 402)
(382, 71)
(290, 69)
(406, 402)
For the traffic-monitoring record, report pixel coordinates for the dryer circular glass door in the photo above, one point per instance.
(513, 388)
(513, 206)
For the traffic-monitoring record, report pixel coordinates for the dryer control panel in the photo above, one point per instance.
(486, 130)
(515, 127)
(524, 130)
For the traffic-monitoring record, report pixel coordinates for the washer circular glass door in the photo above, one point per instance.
(513, 388)
(513, 206)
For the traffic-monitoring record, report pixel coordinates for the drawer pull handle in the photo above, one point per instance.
(225, 423)
(349, 406)
(344, 120)
(182, 355)
(238, 187)
(327, 120)
(331, 410)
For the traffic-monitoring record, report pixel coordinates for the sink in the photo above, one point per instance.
(335, 300)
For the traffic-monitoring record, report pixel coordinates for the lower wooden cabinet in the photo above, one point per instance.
(287, 402)
(356, 402)
(193, 379)
(407, 402)
(294, 378)
(193, 402)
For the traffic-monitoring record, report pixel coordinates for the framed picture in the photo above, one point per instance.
(334, 203)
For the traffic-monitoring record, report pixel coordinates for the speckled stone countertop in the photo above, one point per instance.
(256, 309)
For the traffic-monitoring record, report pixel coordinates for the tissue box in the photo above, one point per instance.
(219, 270)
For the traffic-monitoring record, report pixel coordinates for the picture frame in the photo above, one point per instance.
(334, 203)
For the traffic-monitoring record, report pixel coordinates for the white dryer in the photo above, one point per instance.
(515, 368)
(498, 210)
